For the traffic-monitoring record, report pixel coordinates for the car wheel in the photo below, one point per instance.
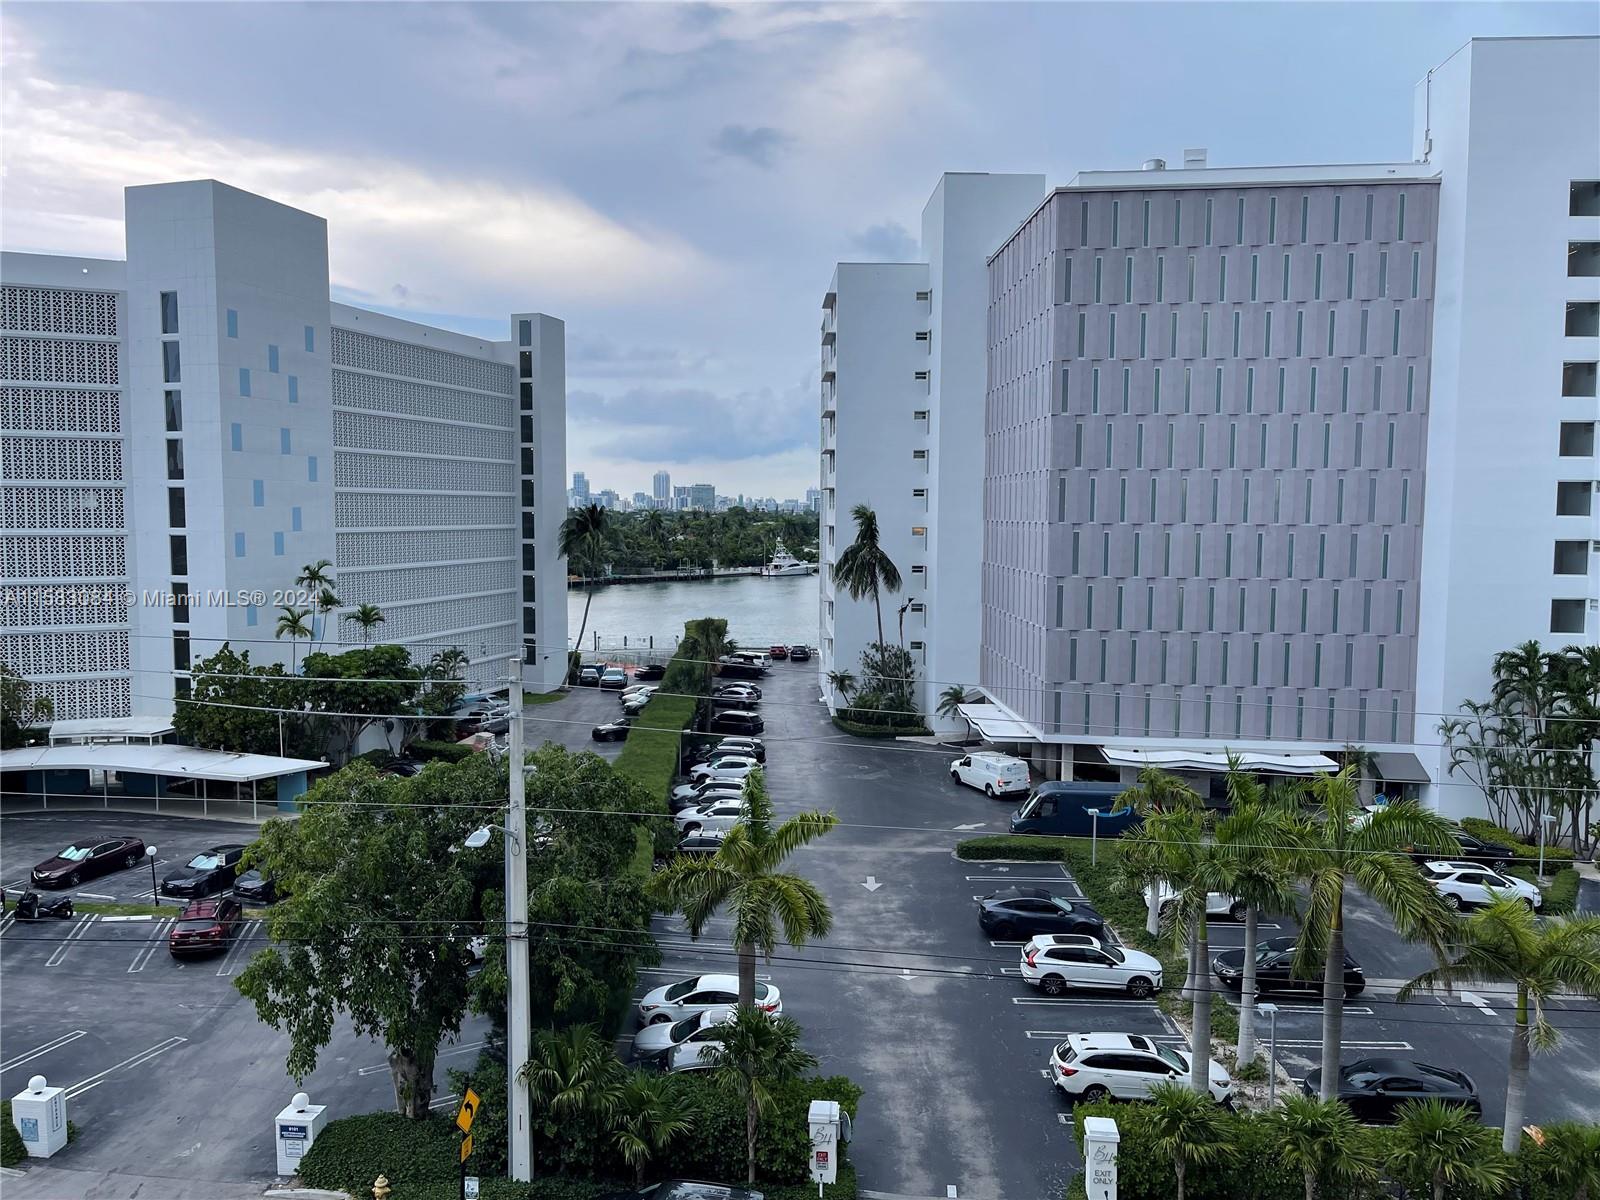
(1499, 865)
(1052, 985)
(690, 830)
(1352, 990)
(1093, 1094)
(1139, 987)
(73, 880)
(1530, 904)
(658, 1019)
(1452, 902)
(130, 860)
(988, 790)
(1004, 933)
(1238, 911)
(955, 777)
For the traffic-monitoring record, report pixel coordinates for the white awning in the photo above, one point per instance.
(183, 762)
(111, 729)
(995, 724)
(1209, 760)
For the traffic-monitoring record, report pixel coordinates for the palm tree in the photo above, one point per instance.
(585, 534)
(655, 525)
(1323, 1139)
(315, 576)
(864, 568)
(327, 602)
(651, 1111)
(842, 682)
(751, 1054)
(1444, 1146)
(369, 617)
(573, 1078)
(1189, 1129)
(1333, 849)
(1503, 943)
(745, 875)
(950, 702)
(294, 623)
(1157, 791)
(1569, 1159)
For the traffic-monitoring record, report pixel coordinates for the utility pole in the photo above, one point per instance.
(519, 1114)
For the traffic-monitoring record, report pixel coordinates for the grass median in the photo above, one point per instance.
(650, 758)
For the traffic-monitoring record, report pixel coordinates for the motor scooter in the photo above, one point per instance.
(30, 908)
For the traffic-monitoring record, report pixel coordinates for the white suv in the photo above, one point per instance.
(1463, 883)
(1092, 1066)
(1060, 961)
(721, 764)
(718, 814)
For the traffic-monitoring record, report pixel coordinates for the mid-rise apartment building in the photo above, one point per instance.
(186, 429)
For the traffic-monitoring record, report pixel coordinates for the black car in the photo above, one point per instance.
(687, 1189)
(1375, 1087)
(737, 689)
(205, 874)
(649, 673)
(737, 721)
(1470, 849)
(86, 858)
(612, 731)
(740, 670)
(1017, 913)
(701, 845)
(255, 888)
(799, 654)
(1274, 963)
(734, 700)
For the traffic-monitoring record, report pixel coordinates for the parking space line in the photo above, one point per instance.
(1058, 1034)
(463, 1048)
(7, 921)
(37, 1051)
(1346, 1043)
(148, 947)
(60, 955)
(1096, 1001)
(144, 1056)
(93, 896)
(444, 1100)
(1018, 879)
(231, 959)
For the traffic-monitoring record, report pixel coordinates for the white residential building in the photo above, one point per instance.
(183, 431)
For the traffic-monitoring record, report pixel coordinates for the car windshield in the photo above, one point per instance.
(1064, 905)
(1170, 1057)
(205, 862)
(75, 853)
(682, 1029)
(680, 989)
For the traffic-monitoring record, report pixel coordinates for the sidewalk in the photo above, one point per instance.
(1588, 887)
(43, 1181)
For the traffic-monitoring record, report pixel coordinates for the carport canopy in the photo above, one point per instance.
(995, 724)
(1210, 760)
(1395, 766)
(176, 762)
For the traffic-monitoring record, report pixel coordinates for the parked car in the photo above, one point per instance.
(1092, 1066)
(1473, 850)
(778, 653)
(87, 858)
(1217, 903)
(799, 653)
(255, 888)
(722, 763)
(650, 672)
(654, 1042)
(205, 874)
(634, 688)
(1062, 809)
(1020, 912)
(686, 1189)
(612, 731)
(694, 1056)
(1075, 960)
(737, 721)
(589, 677)
(204, 926)
(702, 787)
(748, 746)
(739, 669)
(992, 774)
(1274, 964)
(699, 799)
(719, 814)
(633, 705)
(492, 725)
(672, 1001)
(613, 677)
(737, 689)
(1465, 885)
(701, 845)
(730, 699)
(1375, 1087)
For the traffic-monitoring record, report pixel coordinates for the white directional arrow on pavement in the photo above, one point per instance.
(974, 825)
(872, 883)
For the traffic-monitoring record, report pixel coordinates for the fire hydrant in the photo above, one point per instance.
(381, 1188)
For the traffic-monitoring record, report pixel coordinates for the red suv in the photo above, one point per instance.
(204, 926)
(778, 652)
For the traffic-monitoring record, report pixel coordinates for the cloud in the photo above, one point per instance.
(759, 145)
(598, 357)
(464, 242)
(676, 425)
(888, 242)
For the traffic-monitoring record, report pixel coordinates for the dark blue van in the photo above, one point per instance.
(1061, 809)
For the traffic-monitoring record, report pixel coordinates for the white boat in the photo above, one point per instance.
(784, 563)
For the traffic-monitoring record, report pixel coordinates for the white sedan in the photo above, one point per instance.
(656, 1041)
(719, 814)
(706, 786)
(1075, 960)
(722, 763)
(1463, 884)
(1218, 904)
(674, 1001)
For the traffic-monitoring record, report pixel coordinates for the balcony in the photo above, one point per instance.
(830, 362)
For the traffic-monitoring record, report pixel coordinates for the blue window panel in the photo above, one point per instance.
(311, 468)
(233, 322)
(294, 518)
(294, 389)
(283, 441)
(252, 614)
(277, 544)
(236, 436)
(272, 358)
(258, 493)
(244, 381)
(311, 340)
(238, 545)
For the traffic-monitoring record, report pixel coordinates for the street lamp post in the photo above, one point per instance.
(1272, 1054)
(1094, 835)
(155, 892)
(518, 1018)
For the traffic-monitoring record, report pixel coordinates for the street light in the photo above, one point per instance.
(1094, 834)
(155, 892)
(1272, 1055)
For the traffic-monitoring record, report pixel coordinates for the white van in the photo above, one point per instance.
(995, 774)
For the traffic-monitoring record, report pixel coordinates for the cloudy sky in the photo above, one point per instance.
(674, 181)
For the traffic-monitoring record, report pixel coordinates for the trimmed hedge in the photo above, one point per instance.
(856, 729)
(1562, 896)
(451, 752)
(1555, 857)
(1022, 846)
(12, 1148)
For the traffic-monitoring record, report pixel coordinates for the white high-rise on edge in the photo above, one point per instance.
(201, 421)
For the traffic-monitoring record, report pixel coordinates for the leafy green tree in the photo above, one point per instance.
(865, 568)
(585, 536)
(1504, 944)
(294, 624)
(1333, 848)
(575, 1083)
(1190, 1129)
(888, 685)
(1444, 1148)
(1567, 1160)
(233, 702)
(21, 709)
(1324, 1142)
(368, 617)
(381, 898)
(754, 1053)
(346, 694)
(746, 877)
(651, 1112)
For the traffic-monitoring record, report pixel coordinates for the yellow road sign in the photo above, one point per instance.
(466, 1147)
(469, 1109)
